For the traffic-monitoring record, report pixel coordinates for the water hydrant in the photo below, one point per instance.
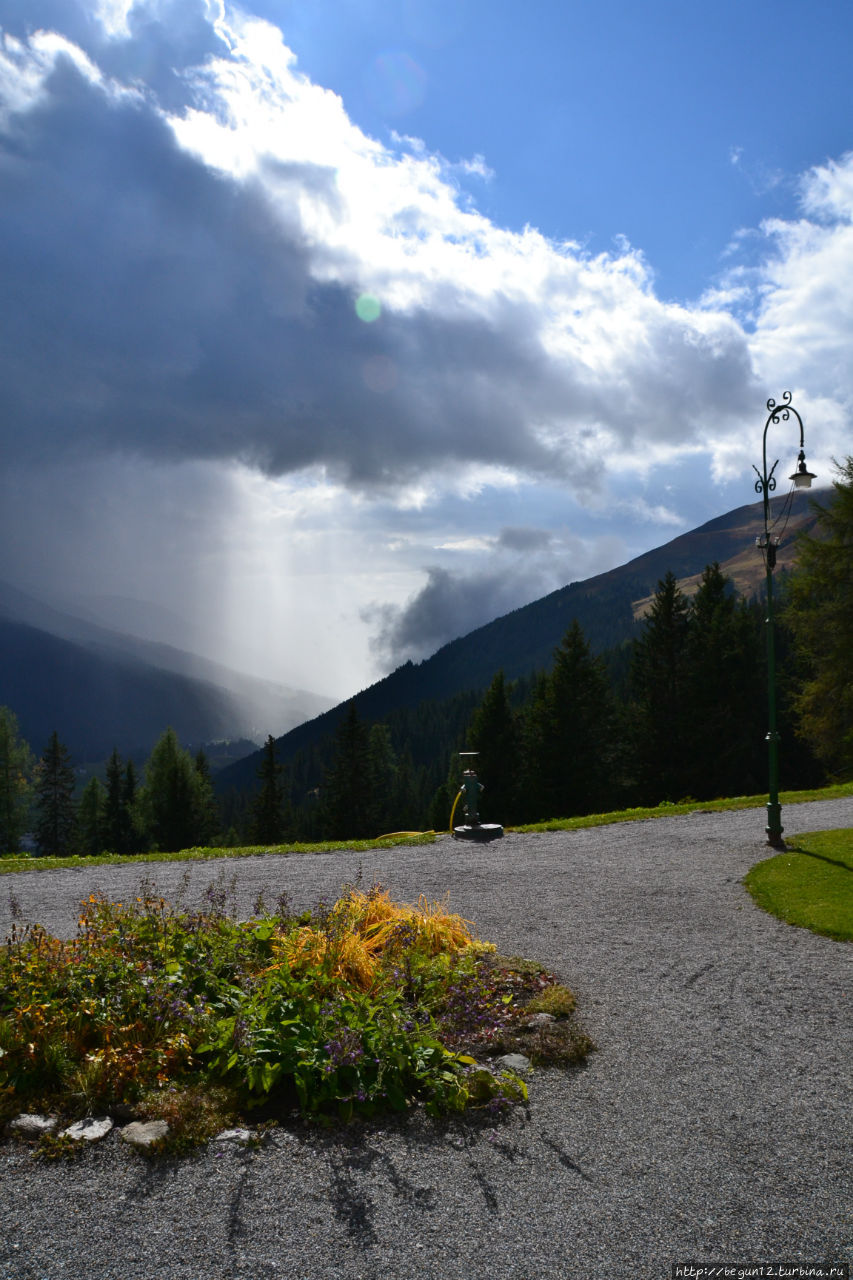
(469, 793)
(472, 787)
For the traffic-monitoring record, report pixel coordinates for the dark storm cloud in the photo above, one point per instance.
(153, 305)
(448, 605)
(453, 604)
(523, 538)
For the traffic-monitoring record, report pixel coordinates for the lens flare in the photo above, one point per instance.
(368, 308)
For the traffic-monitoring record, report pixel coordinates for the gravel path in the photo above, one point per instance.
(713, 1125)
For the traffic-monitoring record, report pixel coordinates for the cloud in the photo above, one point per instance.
(448, 605)
(514, 538)
(522, 564)
(805, 319)
(760, 176)
(185, 256)
(211, 272)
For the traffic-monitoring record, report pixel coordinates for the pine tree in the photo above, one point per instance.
(114, 813)
(389, 783)
(404, 798)
(819, 614)
(267, 822)
(121, 832)
(205, 809)
(16, 768)
(91, 818)
(495, 734)
(347, 791)
(662, 733)
(724, 676)
(169, 800)
(570, 750)
(56, 818)
(132, 830)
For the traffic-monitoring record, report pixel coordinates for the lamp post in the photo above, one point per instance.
(768, 542)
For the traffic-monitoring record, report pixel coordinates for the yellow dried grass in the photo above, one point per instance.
(346, 956)
(362, 926)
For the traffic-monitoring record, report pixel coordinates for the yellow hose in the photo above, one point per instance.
(453, 810)
(392, 835)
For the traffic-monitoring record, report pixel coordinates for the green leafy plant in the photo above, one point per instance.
(196, 1018)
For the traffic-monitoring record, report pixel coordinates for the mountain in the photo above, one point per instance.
(607, 607)
(101, 688)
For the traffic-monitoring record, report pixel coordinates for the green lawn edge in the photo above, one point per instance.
(838, 791)
(18, 863)
(810, 884)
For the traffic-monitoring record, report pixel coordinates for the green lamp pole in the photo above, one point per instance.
(765, 484)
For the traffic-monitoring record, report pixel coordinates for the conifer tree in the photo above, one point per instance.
(90, 818)
(120, 825)
(169, 799)
(662, 732)
(114, 823)
(267, 822)
(820, 617)
(205, 808)
(389, 783)
(407, 807)
(569, 735)
(16, 768)
(723, 683)
(132, 824)
(347, 791)
(495, 734)
(56, 817)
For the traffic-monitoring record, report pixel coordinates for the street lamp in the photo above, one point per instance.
(768, 542)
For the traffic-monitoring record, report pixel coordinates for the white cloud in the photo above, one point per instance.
(182, 253)
(492, 348)
(827, 190)
(113, 16)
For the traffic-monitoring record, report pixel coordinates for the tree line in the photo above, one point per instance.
(679, 712)
(171, 806)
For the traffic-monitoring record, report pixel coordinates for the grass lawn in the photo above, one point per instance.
(25, 862)
(811, 884)
(669, 809)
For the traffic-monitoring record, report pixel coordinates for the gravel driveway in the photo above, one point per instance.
(713, 1125)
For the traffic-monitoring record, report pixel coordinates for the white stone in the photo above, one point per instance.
(514, 1062)
(30, 1126)
(92, 1129)
(234, 1135)
(539, 1020)
(142, 1133)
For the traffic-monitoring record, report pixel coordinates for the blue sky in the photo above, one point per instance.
(333, 329)
(670, 124)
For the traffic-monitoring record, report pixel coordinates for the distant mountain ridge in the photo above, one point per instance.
(606, 606)
(101, 688)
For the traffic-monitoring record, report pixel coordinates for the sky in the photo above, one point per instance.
(332, 329)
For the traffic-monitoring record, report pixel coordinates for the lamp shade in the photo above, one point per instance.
(802, 477)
